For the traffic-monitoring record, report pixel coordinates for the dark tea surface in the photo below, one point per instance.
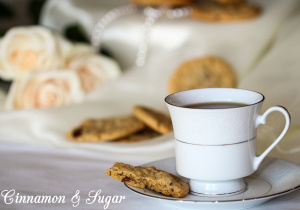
(215, 105)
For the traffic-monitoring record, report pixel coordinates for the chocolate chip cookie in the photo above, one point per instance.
(141, 135)
(149, 177)
(213, 11)
(156, 120)
(105, 129)
(204, 72)
(170, 3)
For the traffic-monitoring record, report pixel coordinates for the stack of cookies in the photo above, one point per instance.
(224, 10)
(144, 123)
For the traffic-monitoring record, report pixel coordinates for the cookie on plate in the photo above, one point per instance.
(169, 3)
(204, 72)
(149, 177)
(144, 134)
(156, 120)
(105, 129)
(208, 10)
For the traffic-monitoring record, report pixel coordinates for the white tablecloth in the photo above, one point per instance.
(47, 171)
(36, 159)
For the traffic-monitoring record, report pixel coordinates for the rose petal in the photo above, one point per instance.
(45, 89)
(31, 48)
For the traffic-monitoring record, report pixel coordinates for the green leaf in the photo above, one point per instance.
(5, 85)
(2, 32)
(35, 7)
(75, 33)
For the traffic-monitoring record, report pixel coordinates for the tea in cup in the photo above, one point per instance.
(215, 137)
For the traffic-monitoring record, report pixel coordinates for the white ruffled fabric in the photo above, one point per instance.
(244, 44)
(277, 76)
(241, 43)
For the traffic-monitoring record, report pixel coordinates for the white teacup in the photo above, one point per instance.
(216, 147)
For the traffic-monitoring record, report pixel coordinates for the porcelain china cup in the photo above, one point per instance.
(216, 148)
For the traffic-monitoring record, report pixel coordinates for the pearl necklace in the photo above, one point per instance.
(151, 16)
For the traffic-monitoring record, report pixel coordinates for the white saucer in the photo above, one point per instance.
(274, 177)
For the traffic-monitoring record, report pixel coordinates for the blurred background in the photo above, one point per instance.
(19, 12)
(262, 51)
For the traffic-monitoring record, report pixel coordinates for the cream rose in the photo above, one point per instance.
(32, 48)
(78, 50)
(45, 89)
(93, 69)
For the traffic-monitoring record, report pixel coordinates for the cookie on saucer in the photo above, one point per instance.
(149, 177)
(204, 72)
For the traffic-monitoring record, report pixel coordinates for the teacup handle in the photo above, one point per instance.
(261, 119)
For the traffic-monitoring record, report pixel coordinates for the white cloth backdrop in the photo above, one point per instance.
(265, 52)
(277, 76)
(240, 43)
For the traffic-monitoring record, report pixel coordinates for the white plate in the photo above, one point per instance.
(49, 127)
(274, 177)
(160, 143)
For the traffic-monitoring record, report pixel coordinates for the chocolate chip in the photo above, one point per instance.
(77, 132)
(125, 179)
